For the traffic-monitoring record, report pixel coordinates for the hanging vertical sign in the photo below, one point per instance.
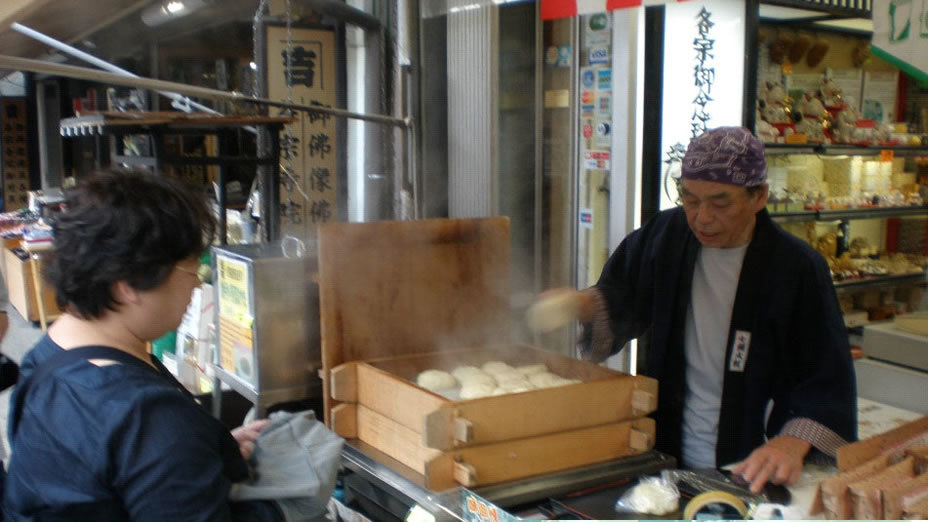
(703, 76)
(900, 35)
(307, 146)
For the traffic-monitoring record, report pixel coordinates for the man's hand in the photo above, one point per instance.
(557, 307)
(247, 434)
(779, 461)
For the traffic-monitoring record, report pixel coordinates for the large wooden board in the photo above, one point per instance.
(394, 288)
(855, 454)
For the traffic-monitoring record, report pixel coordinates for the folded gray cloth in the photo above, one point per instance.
(294, 464)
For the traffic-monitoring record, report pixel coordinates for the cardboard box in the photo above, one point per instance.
(397, 298)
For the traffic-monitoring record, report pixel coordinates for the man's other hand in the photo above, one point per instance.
(779, 461)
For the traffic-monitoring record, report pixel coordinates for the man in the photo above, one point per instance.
(746, 337)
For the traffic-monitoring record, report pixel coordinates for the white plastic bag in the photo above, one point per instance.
(652, 496)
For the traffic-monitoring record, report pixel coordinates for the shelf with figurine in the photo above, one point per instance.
(849, 213)
(822, 122)
(873, 281)
(861, 265)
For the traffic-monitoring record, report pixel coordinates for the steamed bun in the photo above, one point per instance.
(494, 367)
(545, 380)
(476, 390)
(462, 371)
(435, 380)
(531, 369)
(478, 378)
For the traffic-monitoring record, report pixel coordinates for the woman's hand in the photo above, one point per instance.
(247, 434)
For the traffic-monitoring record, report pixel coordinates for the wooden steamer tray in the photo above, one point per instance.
(397, 298)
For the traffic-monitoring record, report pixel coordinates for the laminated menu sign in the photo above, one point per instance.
(308, 147)
(879, 96)
(477, 509)
(236, 338)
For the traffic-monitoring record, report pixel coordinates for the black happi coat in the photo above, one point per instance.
(789, 339)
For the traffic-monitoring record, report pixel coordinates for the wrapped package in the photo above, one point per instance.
(838, 176)
(898, 165)
(903, 179)
(920, 454)
(917, 512)
(833, 494)
(867, 494)
(870, 181)
(897, 499)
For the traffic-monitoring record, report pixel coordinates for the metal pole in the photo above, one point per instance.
(83, 73)
(103, 64)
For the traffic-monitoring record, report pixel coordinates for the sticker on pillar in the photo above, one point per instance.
(596, 159)
(599, 55)
(551, 55)
(596, 30)
(557, 99)
(588, 77)
(602, 134)
(587, 130)
(563, 56)
(604, 79)
(587, 104)
(586, 218)
(604, 105)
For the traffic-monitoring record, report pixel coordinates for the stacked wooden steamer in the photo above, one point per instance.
(397, 298)
(881, 478)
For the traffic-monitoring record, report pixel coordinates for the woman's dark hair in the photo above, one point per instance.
(122, 225)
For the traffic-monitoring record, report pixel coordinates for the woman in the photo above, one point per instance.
(104, 433)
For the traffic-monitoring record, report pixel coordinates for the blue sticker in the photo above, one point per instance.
(589, 79)
(563, 56)
(599, 55)
(604, 79)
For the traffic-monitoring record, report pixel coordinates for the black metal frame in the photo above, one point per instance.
(749, 96)
(224, 132)
(651, 153)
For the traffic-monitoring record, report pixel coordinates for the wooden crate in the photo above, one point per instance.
(397, 298)
(21, 287)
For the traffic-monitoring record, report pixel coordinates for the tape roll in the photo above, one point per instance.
(702, 500)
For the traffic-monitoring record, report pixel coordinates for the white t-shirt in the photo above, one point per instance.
(708, 319)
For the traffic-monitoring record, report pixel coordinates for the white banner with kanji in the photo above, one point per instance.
(900, 35)
(553, 9)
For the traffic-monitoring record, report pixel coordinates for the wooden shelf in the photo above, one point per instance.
(771, 149)
(851, 213)
(879, 281)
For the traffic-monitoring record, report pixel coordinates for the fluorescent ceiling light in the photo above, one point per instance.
(776, 12)
(853, 24)
(167, 10)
